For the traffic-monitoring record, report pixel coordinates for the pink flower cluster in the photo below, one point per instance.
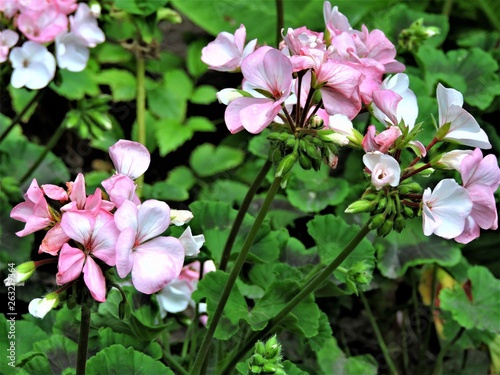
(90, 234)
(346, 66)
(71, 25)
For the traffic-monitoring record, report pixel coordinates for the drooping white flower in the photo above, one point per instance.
(464, 128)
(84, 25)
(384, 169)
(445, 209)
(71, 52)
(39, 307)
(34, 66)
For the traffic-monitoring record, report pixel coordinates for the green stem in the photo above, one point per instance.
(280, 20)
(172, 362)
(83, 340)
(140, 111)
(447, 6)
(427, 337)
(240, 260)
(307, 289)
(378, 334)
(20, 115)
(241, 214)
(438, 368)
(50, 145)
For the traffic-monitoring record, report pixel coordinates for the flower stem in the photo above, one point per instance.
(378, 334)
(140, 111)
(307, 289)
(280, 18)
(172, 362)
(50, 145)
(20, 115)
(240, 260)
(241, 214)
(438, 368)
(83, 340)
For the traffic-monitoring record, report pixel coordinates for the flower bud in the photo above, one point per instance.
(360, 206)
(412, 187)
(399, 223)
(258, 359)
(305, 162)
(286, 164)
(385, 228)
(317, 122)
(408, 212)
(260, 348)
(39, 307)
(273, 348)
(377, 221)
(22, 273)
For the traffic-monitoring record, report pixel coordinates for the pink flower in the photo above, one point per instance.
(380, 142)
(42, 26)
(8, 39)
(9, 7)
(395, 102)
(335, 21)
(464, 129)
(445, 210)
(120, 188)
(384, 169)
(34, 66)
(266, 69)
(53, 241)
(481, 178)
(34, 211)
(154, 261)
(227, 51)
(98, 236)
(79, 200)
(339, 87)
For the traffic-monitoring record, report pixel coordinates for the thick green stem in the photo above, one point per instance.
(20, 115)
(140, 111)
(447, 6)
(50, 145)
(172, 362)
(307, 289)
(240, 260)
(83, 340)
(241, 214)
(280, 20)
(378, 334)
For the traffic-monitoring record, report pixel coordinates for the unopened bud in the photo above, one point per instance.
(316, 122)
(360, 206)
(22, 273)
(305, 162)
(273, 348)
(260, 348)
(399, 223)
(408, 212)
(385, 228)
(286, 164)
(412, 187)
(377, 221)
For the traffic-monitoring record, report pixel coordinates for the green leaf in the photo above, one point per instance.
(140, 7)
(200, 124)
(182, 177)
(324, 333)
(332, 360)
(20, 97)
(412, 248)
(118, 360)
(179, 82)
(478, 312)
(108, 53)
(75, 86)
(228, 191)
(195, 66)
(204, 94)
(14, 249)
(292, 369)
(107, 337)
(208, 160)
(332, 234)
(165, 191)
(166, 104)
(122, 83)
(312, 191)
(171, 134)
(60, 352)
(210, 287)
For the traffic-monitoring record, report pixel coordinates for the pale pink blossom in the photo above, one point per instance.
(153, 261)
(481, 178)
(227, 51)
(335, 21)
(382, 141)
(42, 26)
(34, 211)
(120, 188)
(54, 240)
(464, 129)
(266, 69)
(67, 6)
(395, 102)
(453, 159)
(192, 244)
(55, 192)
(8, 39)
(84, 25)
(80, 201)
(130, 158)
(71, 52)
(34, 66)
(9, 7)
(445, 209)
(98, 236)
(384, 169)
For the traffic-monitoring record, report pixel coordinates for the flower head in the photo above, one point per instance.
(384, 169)
(34, 66)
(39, 307)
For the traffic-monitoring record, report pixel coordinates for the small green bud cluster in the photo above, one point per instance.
(389, 207)
(266, 358)
(357, 275)
(413, 37)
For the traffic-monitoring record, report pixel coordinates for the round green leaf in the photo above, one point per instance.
(208, 160)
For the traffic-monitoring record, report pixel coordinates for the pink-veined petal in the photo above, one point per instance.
(94, 279)
(53, 240)
(78, 225)
(130, 158)
(70, 264)
(104, 237)
(124, 252)
(153, 219)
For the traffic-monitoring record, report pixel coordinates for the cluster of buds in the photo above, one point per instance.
(70, 25)
(266, 358)
(308, 91)
(88, 235)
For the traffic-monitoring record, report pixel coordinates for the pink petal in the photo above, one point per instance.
(120, 188)
(156, 263)
(258, 113)
(94, 279)
(386, 102)
(124, 252)
(70, 264)
(78, 193)
(153, 219)
(55, 192)
(78, 225)
(126, 216)
(104, 237)
(53, 240)
(130, 158)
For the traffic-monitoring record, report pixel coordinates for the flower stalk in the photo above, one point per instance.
(140, 110)
(83, 340)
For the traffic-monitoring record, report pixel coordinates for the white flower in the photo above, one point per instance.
(71, 52)
(84, 25)
(445, 209)
(39, 307)
(8, 39)
(34, 66)
(464, 129)
(453, 159)
(384, 168)
(180, 217)
(192, 244)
